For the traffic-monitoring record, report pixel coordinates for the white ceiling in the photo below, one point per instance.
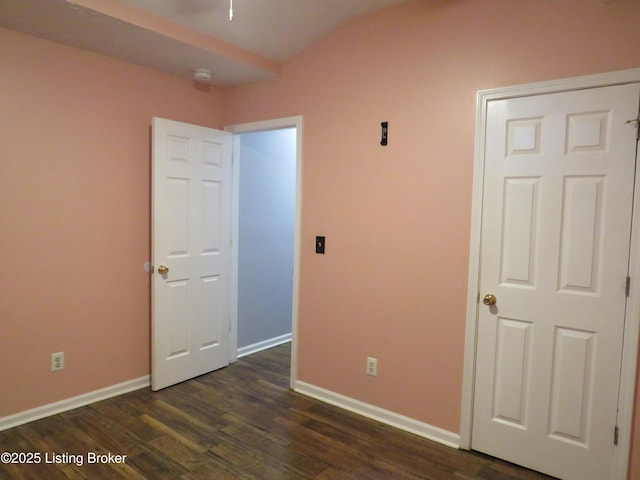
(273, 29)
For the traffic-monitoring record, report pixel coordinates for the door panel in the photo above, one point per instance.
(519, 233)
(513, 364)
(556, 219)
(191, 237)
(572, 377)
(581, 235)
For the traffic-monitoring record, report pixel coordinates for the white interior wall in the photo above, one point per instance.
(267, 173)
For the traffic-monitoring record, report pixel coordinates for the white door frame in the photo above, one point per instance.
(632, 319)
(273, 124)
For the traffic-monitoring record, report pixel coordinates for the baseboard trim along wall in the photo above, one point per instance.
(264, 345)
(379, 414)
(73, 402)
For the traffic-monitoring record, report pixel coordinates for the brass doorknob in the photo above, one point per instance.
(489, 299)
(162, 270)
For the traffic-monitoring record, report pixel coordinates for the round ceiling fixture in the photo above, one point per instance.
(202, 75)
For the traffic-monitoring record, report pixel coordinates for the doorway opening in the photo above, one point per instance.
(266, 221)
(266, 225)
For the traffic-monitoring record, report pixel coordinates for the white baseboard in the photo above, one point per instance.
(265, 344)
(73, 402)
(379, 414)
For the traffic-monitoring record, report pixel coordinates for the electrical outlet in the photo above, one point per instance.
(372, 366)
(57, 361)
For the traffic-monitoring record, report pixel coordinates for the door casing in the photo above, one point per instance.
(273, 124)
(632, 318)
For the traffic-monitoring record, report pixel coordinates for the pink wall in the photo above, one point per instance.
(74, 215)
(393, 281)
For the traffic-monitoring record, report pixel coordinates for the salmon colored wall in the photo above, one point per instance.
(393, 281)
(75, 214)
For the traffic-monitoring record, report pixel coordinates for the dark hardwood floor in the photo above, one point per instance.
(241, 422)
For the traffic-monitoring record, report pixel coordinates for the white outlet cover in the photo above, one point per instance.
(57, 361)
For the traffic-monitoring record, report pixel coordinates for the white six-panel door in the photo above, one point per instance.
(556, 219)
(191, 216)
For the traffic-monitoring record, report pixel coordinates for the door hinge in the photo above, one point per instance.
(616, 434)
(627, 288)
(637, 122)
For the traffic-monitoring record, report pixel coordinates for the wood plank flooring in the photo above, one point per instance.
(241, 422)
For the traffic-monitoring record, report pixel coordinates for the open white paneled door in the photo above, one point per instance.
(191, 241)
